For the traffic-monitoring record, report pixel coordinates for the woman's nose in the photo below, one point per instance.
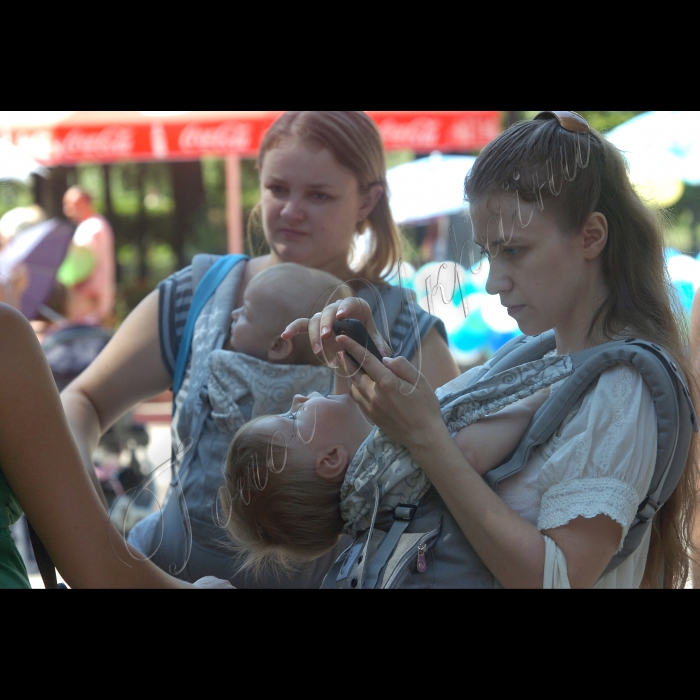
(498, 280)
(292, 209)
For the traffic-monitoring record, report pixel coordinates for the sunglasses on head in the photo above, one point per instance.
(570, 121)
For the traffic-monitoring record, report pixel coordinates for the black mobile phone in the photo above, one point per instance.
(355, 330)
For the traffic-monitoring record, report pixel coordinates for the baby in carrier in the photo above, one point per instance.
(257, 372)
(273, 297)
(295, 482)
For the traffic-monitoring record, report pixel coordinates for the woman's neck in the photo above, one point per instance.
(580, 331)
(338, 267)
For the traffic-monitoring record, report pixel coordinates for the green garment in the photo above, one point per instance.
(13, 573)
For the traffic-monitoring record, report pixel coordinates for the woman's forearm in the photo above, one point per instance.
(84, 424)
(511, 547)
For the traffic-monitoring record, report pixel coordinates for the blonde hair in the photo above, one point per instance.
(576, 174)
(356, 144)
(278, 512)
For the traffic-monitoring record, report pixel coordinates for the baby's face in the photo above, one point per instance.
(318, 423)
(250, 332)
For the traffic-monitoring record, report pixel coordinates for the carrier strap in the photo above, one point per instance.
(206, 287)
(403, 514)
(674, 410)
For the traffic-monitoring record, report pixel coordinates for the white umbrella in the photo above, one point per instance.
(15, 164)
(663, 144)
(428, 187)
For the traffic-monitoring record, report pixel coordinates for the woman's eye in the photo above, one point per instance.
(319, 196)
(511, 252)
(276, 189)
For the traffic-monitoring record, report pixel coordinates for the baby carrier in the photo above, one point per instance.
(395, 553)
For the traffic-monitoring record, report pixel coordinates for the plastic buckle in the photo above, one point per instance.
(647, 509)
(405, 511)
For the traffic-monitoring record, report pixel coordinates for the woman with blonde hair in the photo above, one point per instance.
(323, 181)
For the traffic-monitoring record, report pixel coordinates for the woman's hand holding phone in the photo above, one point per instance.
(322, 335)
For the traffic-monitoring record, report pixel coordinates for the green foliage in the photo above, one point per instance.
(14, 194)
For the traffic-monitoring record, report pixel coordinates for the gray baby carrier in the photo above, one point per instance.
(421, 546)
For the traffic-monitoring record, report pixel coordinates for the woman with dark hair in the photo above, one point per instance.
(571, 248)
(323, 181)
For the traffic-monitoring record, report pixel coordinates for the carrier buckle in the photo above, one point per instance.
(647, 509)
(405, 512)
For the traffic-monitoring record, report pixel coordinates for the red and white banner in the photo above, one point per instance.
(157, 140)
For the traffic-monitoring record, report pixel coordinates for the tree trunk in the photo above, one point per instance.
(49, 191)
(189, 195)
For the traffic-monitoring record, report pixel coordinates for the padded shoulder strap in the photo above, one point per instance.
(675, 419)
(200, 266)
(207, 285)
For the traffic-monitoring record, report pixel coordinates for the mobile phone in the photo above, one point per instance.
(355, 330)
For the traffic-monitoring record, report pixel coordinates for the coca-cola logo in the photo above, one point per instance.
(110, 141)
(474, 132)
(421, 132)
(228, 137)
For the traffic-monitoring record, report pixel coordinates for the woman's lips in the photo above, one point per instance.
(515, 309)
(292, 234)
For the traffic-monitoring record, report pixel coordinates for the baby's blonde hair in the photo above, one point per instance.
(277, 510)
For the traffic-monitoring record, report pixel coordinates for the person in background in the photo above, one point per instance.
(94, 296)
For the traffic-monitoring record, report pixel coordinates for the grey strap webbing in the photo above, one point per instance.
(403, 514)
(331, 576)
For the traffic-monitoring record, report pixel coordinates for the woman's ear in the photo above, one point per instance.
(331, 465)
(280, 349)
(595, 235)
(369, 201)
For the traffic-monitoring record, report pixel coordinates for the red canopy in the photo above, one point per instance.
(62, 138)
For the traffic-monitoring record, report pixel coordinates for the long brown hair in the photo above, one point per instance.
(574, 175)
(356, 144)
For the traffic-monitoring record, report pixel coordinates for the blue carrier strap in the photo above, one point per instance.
(207, 286)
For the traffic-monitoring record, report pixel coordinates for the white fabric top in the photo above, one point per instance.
(600, 461)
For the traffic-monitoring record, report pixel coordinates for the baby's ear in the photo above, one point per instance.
(331, 465)
(280, 350)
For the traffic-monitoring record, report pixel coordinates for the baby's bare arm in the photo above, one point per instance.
(486, 443)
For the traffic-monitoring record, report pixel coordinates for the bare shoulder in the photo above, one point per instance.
(15, 330)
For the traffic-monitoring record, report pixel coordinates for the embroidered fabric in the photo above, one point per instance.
(602, 459)
(587, 498)
(242, 387)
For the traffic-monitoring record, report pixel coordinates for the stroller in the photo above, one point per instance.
(121, 461)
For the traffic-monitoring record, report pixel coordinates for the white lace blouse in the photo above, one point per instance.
(600, 461)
